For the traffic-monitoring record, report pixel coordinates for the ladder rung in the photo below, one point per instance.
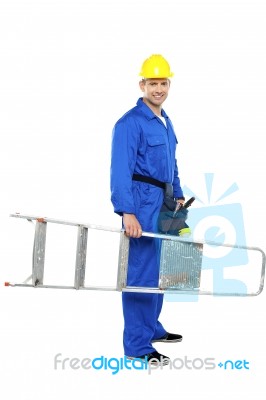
(38, 253)
(81, 256)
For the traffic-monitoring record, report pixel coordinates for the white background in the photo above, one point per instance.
(68, 71)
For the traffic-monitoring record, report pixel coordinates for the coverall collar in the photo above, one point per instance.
(149, 114)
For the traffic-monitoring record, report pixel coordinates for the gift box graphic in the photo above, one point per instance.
(222, 224)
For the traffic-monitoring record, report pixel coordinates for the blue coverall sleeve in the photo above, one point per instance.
(125, 141)
(176, 183)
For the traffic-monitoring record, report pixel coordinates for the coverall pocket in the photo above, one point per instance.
(156, 148)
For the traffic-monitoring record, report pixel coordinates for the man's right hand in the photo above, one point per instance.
(132, 226)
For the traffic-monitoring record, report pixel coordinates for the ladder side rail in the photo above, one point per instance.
(63, 222)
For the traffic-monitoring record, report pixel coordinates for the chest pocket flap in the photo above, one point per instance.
(155, 140)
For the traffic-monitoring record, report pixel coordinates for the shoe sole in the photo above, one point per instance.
(167, 341)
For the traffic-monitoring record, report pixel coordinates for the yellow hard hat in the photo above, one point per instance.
(156, 66)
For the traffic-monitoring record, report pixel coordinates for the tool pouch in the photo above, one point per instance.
(169, 221)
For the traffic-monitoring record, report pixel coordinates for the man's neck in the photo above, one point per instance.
(156, 109)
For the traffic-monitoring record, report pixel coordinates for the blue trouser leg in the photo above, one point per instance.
(142, 310)
(159, 329)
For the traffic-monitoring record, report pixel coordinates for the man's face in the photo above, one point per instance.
(155, 91)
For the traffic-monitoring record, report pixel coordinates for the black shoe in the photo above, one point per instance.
(169, 338)
(153, 358)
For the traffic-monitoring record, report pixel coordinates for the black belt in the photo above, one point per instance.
(147, 179)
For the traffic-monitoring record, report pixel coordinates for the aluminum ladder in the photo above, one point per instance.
(180, 262)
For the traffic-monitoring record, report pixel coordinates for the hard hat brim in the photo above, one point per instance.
(156, 76)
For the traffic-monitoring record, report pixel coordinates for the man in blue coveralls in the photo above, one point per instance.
(143, 160)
